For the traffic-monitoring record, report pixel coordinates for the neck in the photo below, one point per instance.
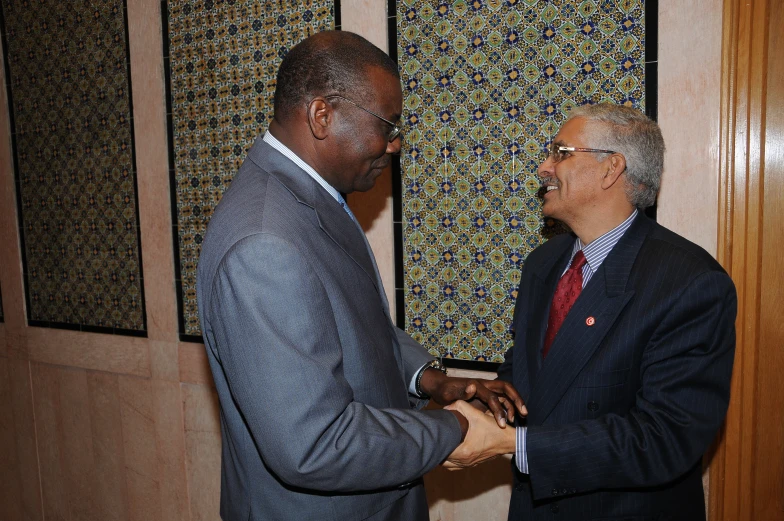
(291, 137)
(599, 223)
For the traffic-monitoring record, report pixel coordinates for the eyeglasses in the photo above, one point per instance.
(560, 152)
(393, 134)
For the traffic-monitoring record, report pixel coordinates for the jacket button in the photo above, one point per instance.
(519, 487)
(555, 491)
(554, 508)
(593, 406)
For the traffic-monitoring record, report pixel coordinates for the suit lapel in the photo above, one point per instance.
(603, 299)
(328, 213)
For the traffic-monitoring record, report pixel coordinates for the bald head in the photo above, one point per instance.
(329, 62)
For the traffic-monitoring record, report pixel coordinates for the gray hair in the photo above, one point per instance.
(631, 133)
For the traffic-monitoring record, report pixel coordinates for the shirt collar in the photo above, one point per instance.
(286, 151)
(599, 249)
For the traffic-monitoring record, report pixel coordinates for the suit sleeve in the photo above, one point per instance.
(684, 394)
(414, 357)
(280, 349)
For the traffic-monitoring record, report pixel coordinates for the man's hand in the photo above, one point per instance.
(483, 441)
(499, 396)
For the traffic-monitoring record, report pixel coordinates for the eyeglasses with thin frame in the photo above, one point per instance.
(393, 134)
(561, 152)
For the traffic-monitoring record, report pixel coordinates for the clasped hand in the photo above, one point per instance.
(486, 435)
(497, 395)
(483, 441)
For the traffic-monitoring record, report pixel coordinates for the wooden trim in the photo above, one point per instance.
(748, 453)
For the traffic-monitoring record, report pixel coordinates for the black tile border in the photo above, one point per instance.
(172, 174)
(17, 185)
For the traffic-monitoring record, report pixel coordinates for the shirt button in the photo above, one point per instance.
(554, 508)
(593, 406)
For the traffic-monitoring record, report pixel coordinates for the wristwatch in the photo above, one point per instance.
(434, 364)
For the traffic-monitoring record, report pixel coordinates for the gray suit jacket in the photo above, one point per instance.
(311, 374)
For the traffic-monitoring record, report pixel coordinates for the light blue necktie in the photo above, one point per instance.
(370, 252)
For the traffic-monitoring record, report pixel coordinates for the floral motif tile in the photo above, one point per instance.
(486, 85)
(224, 57)
(73, 145)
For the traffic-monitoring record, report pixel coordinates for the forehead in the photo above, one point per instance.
(572, 133)
(386, 90)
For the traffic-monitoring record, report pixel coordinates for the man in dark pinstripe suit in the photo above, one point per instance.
(626, 395)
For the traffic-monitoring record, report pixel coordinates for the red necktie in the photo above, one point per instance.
(567, 291)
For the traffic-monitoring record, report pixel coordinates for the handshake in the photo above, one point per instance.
(483, 422)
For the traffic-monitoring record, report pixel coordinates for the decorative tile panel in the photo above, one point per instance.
(224, 60)
(69, 96)
(487, 83)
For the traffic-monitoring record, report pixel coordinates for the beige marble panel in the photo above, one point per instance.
(140, 449)
(149, 113)
(194, 367)
(481, 492)
(374, 208)
(164, 361)
(107, 446)
(3, 340)
(19, 379)
(170, 438)
(10, 252)
(688, 112)
(76, 443)
(48, 419)
(112, 353)
(203, 450)
(11, 492)
(367, 18)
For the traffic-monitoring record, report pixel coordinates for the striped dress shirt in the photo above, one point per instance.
(595, 253)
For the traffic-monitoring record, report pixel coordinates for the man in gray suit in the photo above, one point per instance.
(319, 392)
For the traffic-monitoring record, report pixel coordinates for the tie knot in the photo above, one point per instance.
(578, 261)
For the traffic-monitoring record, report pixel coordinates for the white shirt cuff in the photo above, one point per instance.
(412, 383)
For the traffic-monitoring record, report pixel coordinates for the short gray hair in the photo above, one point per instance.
(631, 133)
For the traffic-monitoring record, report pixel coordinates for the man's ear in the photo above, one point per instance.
(617, 166)
(319, 117)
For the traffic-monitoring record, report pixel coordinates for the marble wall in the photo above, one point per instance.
(97, 426)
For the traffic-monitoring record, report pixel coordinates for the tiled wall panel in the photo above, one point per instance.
(486, 85)
(67, 70)
(223, 60)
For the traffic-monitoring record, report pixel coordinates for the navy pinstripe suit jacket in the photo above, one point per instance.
(621, 411)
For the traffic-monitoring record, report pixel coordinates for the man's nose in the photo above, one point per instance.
(546, 169)
(394, 146)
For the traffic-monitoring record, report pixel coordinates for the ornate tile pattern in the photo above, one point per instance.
(486, 85)
(73, 144)
(224, 59)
